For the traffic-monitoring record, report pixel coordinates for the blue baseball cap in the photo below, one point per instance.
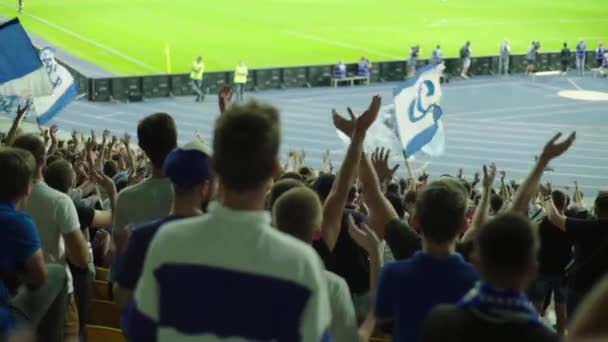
(188, 165)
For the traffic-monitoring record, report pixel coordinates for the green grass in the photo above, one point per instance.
(294, 32)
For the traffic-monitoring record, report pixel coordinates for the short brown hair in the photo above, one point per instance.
(16, 173)
(246, 143)
(157, 136)
(34, 145)
(440, 209)
(281, 187)
(60, 175)
(298, 213)
(507, 245)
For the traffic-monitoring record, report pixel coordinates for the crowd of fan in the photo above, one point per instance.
(228, 242)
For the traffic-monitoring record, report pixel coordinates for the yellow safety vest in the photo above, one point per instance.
(197, 75)
(240, 74)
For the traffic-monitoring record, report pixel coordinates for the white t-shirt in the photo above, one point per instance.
(148, 200)
(343, 325)
(229, 273)
(54, 214)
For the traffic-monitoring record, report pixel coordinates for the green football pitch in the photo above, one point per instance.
(131, 36)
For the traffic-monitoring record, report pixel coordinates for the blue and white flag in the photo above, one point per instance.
(418, 114)
(26, 74)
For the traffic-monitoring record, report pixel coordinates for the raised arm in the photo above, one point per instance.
(528, 188)
(481, 212)
(12, 133)
(53, 136)
(336, 200)
(381, 210)
(368, 240)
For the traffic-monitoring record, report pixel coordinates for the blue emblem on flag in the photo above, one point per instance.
(418, 113)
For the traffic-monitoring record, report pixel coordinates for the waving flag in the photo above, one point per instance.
(418, 114)
(26, 74)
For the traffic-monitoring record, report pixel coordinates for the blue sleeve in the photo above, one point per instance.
(139, 326)
(385, 300)
(25, 240)
(131, 264)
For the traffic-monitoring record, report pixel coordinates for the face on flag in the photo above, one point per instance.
(26, 74)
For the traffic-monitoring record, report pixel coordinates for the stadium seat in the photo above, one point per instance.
(380, 339)
(101, 273)
(97, 333)
(101, 290)
(105, 313)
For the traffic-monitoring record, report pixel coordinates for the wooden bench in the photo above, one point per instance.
(97, 333)
(104, 313)
(350, 80)
(545, 74)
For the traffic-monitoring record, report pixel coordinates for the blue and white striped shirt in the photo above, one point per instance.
(229, 276)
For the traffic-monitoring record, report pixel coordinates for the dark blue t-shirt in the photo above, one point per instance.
(132, 262)
(18, 242)
(409, 289)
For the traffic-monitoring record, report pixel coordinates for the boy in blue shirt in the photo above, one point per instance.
(30, 292)
(409, 289)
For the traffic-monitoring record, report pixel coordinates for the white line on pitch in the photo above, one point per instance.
(341, 44)
(90, 41)
(574, 84)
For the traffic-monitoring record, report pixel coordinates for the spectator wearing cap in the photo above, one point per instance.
(58, 226)
(229, 272)
(590, 239)
(41, 301)
(188, 168)
(151, 198)
(497, 308)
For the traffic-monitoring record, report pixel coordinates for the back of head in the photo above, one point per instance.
(16, 173)
(565, 44)
(496, 203)
(322, 185)
(410, 197)
(157, 136)
(560, 200)
(281, 187)
(397, 203)
(110, 168)
(298, 212)
(60, 175)
(246, 145)
(507, 247)
(601, 204)
(440, 210)
(34, 145)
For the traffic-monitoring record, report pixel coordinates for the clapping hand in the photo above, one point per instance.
(364, 236)
(361, 123)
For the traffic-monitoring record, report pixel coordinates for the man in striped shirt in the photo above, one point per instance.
(229, 274)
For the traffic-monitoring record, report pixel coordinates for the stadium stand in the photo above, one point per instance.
(279, 282)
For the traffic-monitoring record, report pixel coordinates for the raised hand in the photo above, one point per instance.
(363, 236)
(554, 149)
(224, 97)
(362, 123)
(126, 140)
(53, 132)
(476, 178)
(489, 174)
(459, 173)
(503, 175)
(379, 160)
(21, 111)
(105, 135)
(93, 137)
